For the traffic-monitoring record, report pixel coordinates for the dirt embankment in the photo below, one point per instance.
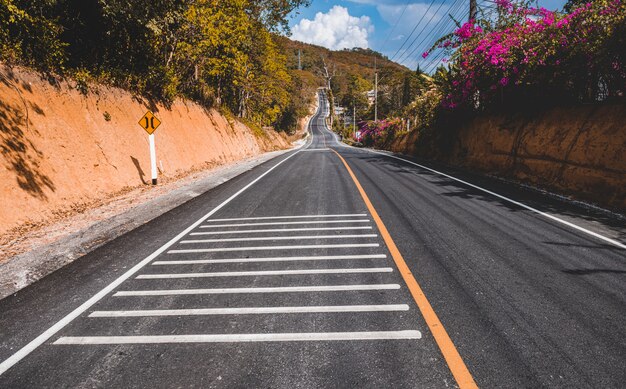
(63, 152)
(575, 151)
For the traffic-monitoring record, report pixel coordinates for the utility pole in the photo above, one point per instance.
(473, 10)
(299, 62)
(354, 119)
(375, 92)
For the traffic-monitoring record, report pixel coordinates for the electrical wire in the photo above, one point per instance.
(437, 27)
(412, 31)
(406, 5)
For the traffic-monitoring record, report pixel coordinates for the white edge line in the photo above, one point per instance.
(239, 338)
(253, 310)
(265, 273)
(544, 214)
(269, 259)
(38, 341)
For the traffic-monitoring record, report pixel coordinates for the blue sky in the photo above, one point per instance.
(338, 24)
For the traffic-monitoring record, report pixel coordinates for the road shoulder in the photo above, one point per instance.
(54, 246)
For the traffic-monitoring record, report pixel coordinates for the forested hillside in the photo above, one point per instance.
(350, 73)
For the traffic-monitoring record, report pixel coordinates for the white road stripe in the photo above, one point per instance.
(266, 273)
(283, 223)
(316, 150)
(278, 289)
(238, 338)
(282, 230)
(519, 204)
(269, 259)
(299, 247)
(253, 310)
(295, 237)
(47, 334)
(287, 217)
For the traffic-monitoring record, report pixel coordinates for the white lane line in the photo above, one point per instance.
(282, 230)
(299, 247)
(270, 259)
(265, 273)
(253, 311)
(316, 150)
(239, 338)
(278, 289)
(544, 214)
(295, 237)
(287, 217)
(283, 223)
(47, 334)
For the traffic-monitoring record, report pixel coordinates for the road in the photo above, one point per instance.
(332, 266)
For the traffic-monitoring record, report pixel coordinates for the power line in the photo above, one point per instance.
(397, 21)
(412, 31)
(423, 28)
(404, 57)
(444, 29)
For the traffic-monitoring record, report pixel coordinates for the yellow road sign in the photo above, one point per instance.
(149, 122)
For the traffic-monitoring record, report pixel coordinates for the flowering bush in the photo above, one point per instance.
(542, 53)
(378, 133)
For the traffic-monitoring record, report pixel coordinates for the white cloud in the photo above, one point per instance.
(335, 30)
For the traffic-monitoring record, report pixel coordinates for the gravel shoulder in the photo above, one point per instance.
(32, 254)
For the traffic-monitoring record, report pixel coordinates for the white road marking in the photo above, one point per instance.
(47, 334)
(282, 230)
(299, 247)
(316, 150)
(286, 217)
(283, 223)
(295, 237)
(278, 289)
(519, 204)
(253, 310)
(238, 338)
(269, 259)
(265, 273)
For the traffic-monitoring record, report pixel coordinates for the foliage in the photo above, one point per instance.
(212, 51)
(379, 134)
(533, 54)
(424, 108)
(355, 95)
(27, 35)
(354, 75)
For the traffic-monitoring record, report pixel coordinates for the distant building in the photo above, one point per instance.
(371, 96)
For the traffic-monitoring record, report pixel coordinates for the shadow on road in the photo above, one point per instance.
(534, 198)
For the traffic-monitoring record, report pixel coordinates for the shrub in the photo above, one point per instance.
(540, 55)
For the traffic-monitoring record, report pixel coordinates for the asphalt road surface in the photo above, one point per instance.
(335, 267)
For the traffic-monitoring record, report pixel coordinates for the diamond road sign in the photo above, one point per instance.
(149, 122)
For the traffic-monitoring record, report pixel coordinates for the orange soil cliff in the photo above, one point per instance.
(577, 151)
(62, 150)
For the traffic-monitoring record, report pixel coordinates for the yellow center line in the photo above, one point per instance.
(460, 372)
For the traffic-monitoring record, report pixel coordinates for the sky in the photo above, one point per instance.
(384, 25)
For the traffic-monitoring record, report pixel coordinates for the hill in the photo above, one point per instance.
(351, 73)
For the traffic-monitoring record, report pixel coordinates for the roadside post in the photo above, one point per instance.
(149, 123)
